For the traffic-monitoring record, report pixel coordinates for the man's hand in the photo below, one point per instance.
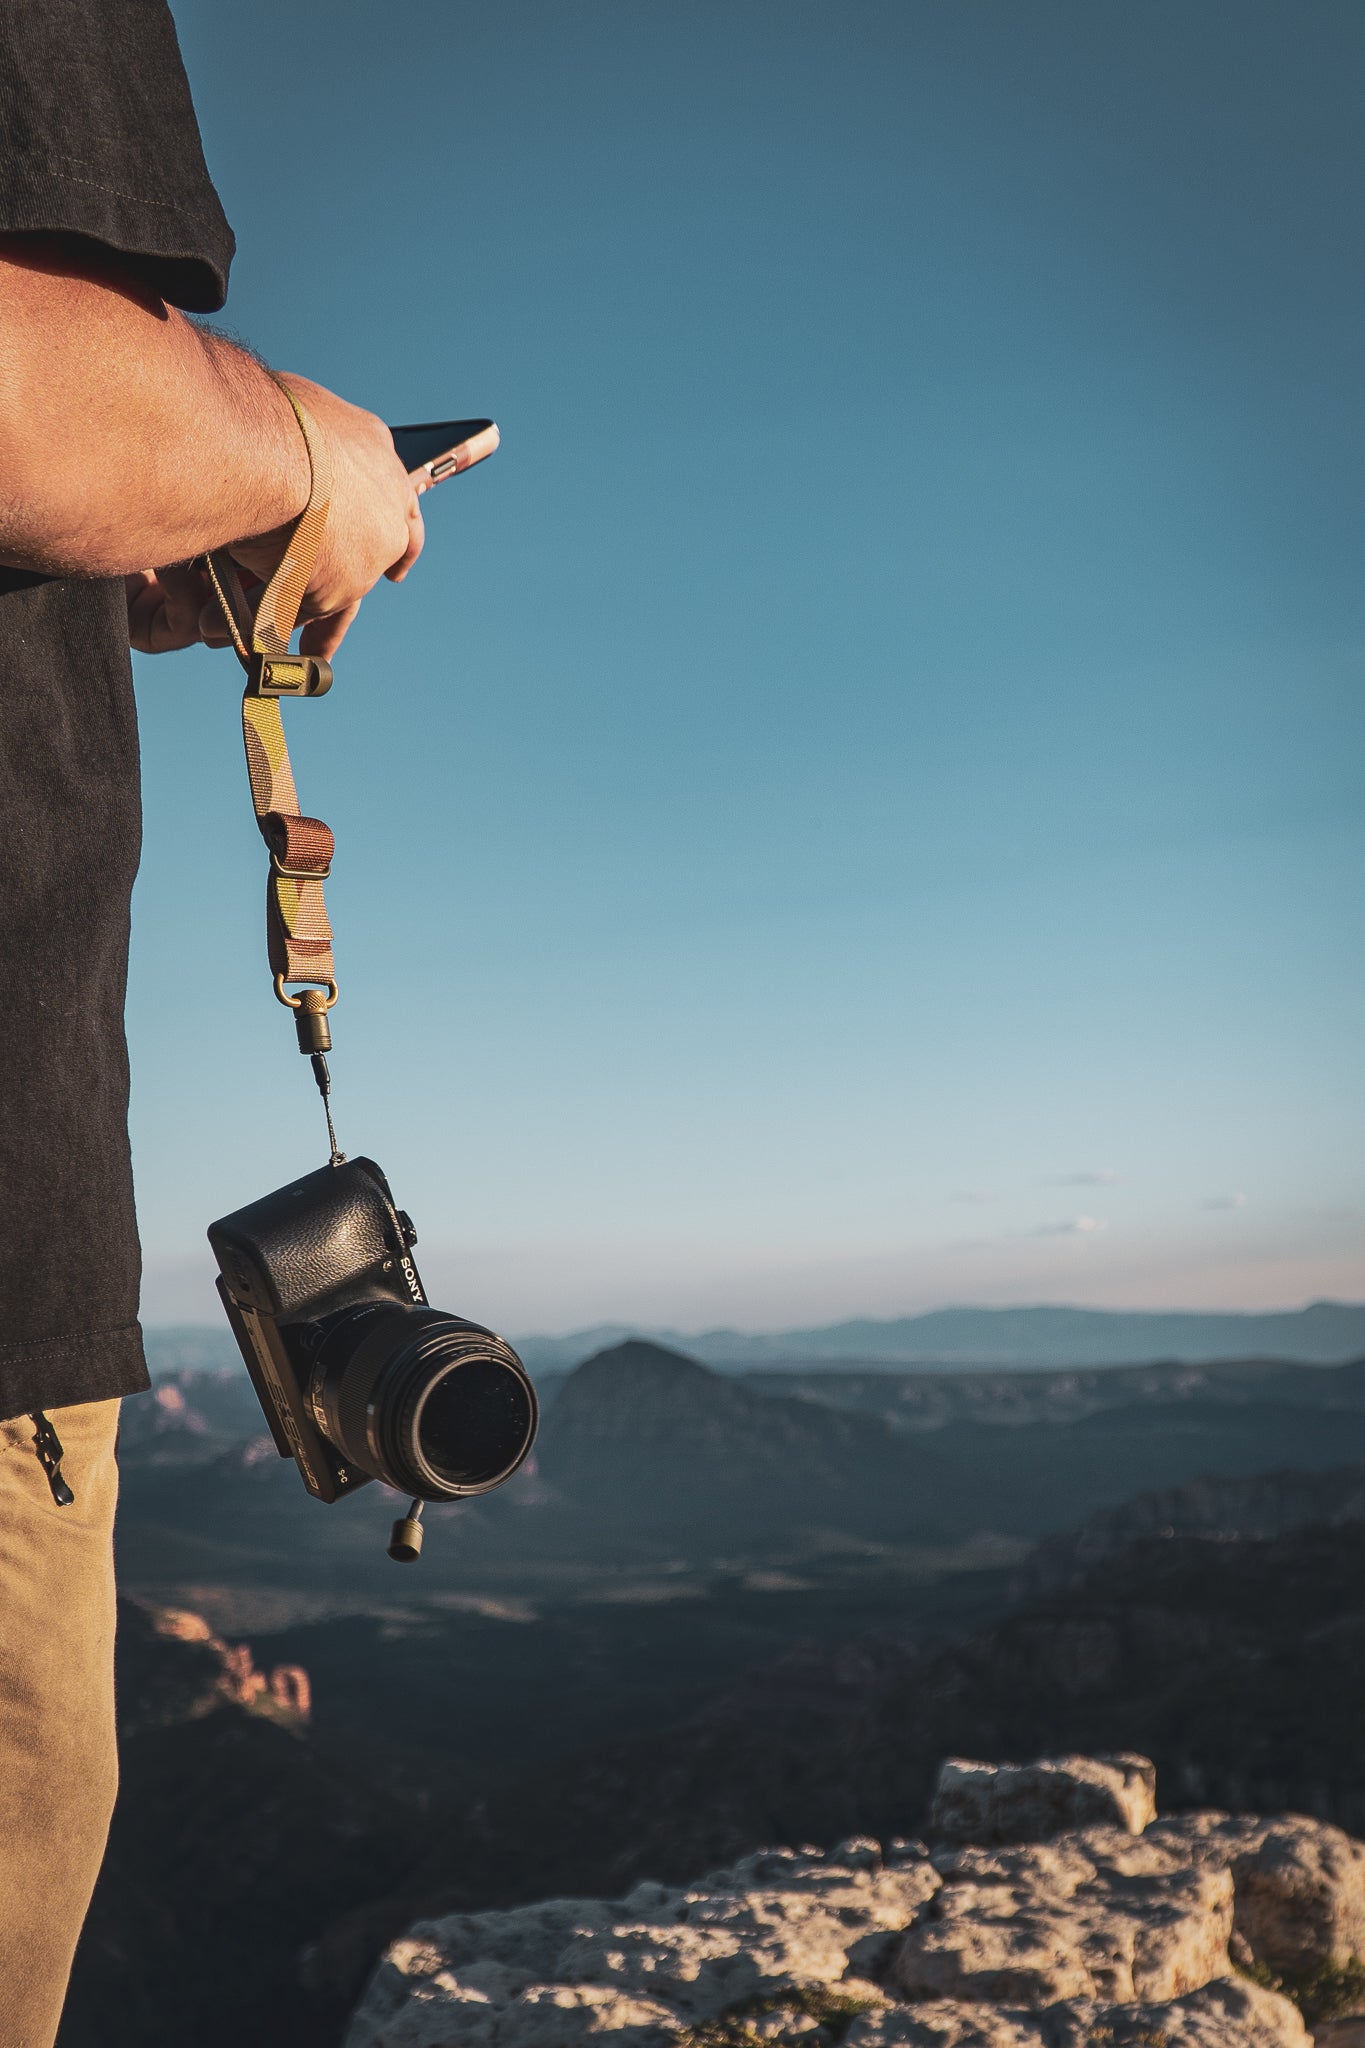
(374, 528)
(128, 434)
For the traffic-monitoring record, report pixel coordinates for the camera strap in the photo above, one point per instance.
(298, 930)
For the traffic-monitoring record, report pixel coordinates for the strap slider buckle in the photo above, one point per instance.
(288, 675)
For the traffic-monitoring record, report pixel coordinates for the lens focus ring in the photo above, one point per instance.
(435, 1406)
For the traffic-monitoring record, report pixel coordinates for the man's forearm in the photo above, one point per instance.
(129, 437)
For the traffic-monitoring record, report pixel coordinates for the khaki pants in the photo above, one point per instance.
(58, 1762)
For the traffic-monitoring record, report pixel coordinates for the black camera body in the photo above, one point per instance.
(359, 1377)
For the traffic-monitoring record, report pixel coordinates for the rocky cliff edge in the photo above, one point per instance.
(1049, 1908)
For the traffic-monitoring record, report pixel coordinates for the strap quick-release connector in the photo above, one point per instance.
(287, 675)
(310, 1021)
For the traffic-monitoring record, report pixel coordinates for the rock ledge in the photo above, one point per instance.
(1121, 1932)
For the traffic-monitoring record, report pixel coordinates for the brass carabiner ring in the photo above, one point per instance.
(294, 1002)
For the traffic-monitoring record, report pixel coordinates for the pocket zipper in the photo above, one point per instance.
(48, 1445)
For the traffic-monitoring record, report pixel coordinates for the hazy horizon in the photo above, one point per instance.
(618, 1323)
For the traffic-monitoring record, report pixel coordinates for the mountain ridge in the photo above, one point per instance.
(1038, 1336)
(1041, 1336)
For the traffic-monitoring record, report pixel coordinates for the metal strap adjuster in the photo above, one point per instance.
(277, 867)
(287, 675)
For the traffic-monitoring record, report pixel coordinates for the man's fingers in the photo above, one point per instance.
(323, 631)
(163, 609)
(211, 627)
(144, 603)
(186, 591)
(417, 534)
(324, 636)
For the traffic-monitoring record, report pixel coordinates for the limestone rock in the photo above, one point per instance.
(1301, 1895)
(947, 2023)
(1225, 2014)
(1107, 1933)
(1094, 1915)
(1031, 1802)
(639, 1970)
(1299, 1883)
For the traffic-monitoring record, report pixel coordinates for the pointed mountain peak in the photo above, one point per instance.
(639, 1366)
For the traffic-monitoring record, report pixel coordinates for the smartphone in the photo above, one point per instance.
(443, 448)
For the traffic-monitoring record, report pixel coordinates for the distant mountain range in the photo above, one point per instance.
(647, 1447)
(1324, 1333)
(916, 1397)
(646, 1453)
(948, 1339)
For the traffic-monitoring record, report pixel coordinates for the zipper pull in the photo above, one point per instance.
(48, 1445)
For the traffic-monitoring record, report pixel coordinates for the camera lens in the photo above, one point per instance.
(434, 1406)
(470, 1420)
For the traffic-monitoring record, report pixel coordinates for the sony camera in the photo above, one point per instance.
(359, 1377)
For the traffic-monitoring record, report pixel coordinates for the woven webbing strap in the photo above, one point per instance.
(298, 931)
(278, 610)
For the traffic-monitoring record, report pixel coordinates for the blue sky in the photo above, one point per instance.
(859, 807)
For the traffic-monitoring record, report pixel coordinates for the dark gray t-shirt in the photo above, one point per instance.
(98, 139)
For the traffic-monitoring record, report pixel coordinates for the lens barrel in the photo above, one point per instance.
(434, 1406)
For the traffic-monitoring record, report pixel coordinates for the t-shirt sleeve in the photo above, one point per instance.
(98, 137)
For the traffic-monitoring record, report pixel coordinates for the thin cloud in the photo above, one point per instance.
(974, 1195)
(1089, 1177)
(1070, 1226)
(1225, 1202)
